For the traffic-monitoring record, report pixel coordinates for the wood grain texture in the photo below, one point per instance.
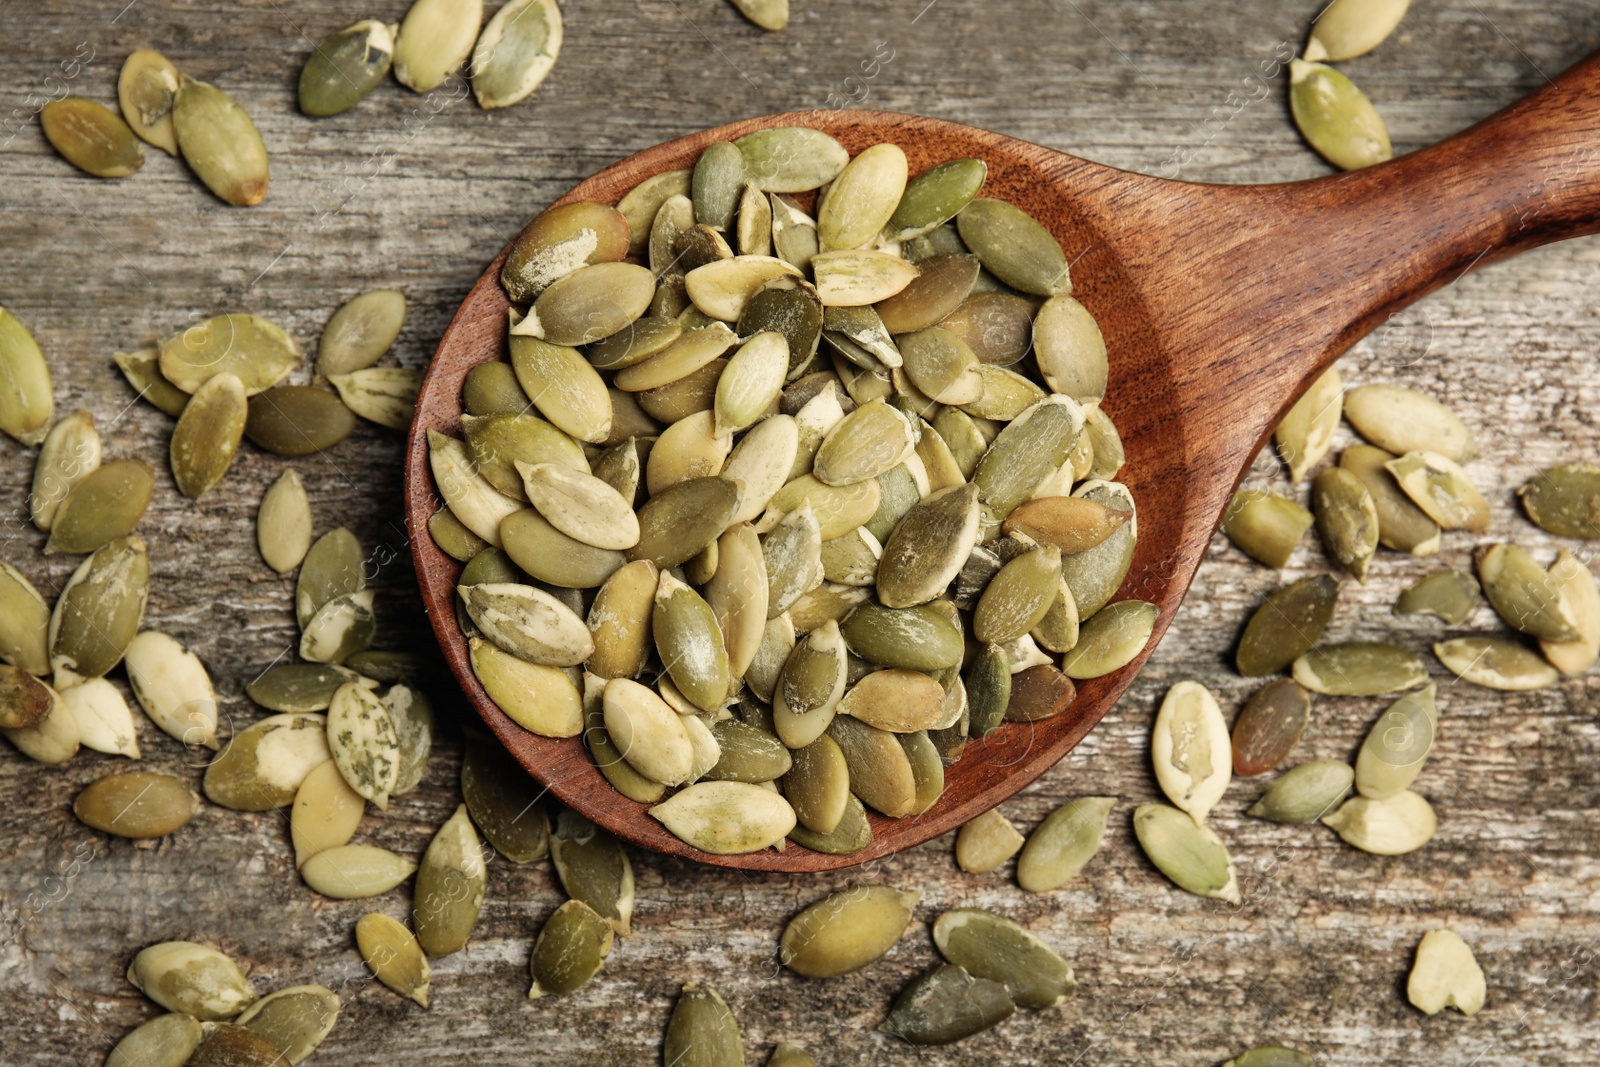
(421, 192)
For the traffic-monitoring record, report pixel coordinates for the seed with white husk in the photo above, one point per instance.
(846, 931)
(1190, 854)
(326, 812)
(515, 52)
(435, 40)
(529, 623)
(449, 888)
(294, 1020)
(1393, 826)
(1190, 749)
(1445, 974)
(593, 868)
(265, 764)
(394, 956)
(945, 1005)
(992, 946)
(191, 978)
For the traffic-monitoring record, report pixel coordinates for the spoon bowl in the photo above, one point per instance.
(1218, 304)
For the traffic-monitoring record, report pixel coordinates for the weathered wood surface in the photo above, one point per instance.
(420, 192)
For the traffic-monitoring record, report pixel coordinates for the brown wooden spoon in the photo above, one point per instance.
(1219, 305)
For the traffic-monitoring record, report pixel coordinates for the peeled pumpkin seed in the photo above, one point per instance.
(1269, 725)
(678, 524)
(1190, 750)
(859, 277)
(449, 888)
(1347, 519)
(1017, 599)
(1524, 595)
(921, 638)
(207, 435)
(991, 946)
(593, 868)
(1335, 117)
(998, 327)
(229, 1045)
(344, 68)
(1563, 500)
(1578, 592)
(941, 365)
(695, 349)
(945, 1005)
(1014, 247)
(365, 746)
(137, 805)
(619, 620)
(747, 754)
(290, 420)
(896, 700)
(1110, 639)
(248, 347)
(702, 1031)
(91, 137)
(690, 644)
(497, 443)
(1030, 447)
(103, 720)
(384, 395)
(719, 176)
(880, 771)
(1401, 420)
(559, 381)
(1349, 28)
(326, 812)
(294, 1020)
(647, 732)
(551, 556)
(1496, 663)
(810, 686)
(988, 686)
(852, 559)
(1287, 625)
(986, 842)
(1265, 526)
(1442, 490)
(1397, 746)
(791, 159)
(560, 240)
(98, 612)
(785, 1054)
(723, 288)
(640, 204)
(853, 833)
(1445, 974)
(435, 40)
(143, 371)
(1072, 524)
(24, 699)
(571, 949)
(283, 523)
(935, 197)
(817, 785)
(194, 979)
(1270, 1056)
(1188, 853)
(864, 444)
(1063, 843)
(105, 505)
(1359, 668)
(165, 1041)
(515, 52)
(862, 198)
(146, 89)
(689, 448)
(342, 627)
(1306, 432)
(492, 389)
(738, 595)
(1449, 595)
(334, 567)
(70, 453)
(726, 818)
(24, 623)
(1070, 350)
(355, 872)
(1390, 827)
(394, 957)
(1402, 525)
(529, 623)
(928, 546)
(824, 604)
(846, 931)
(634, 343)
(1305, 793)
(538, 698)
(413, 720)
(26, 404)
(265, 764)
(838, 508)
(219, 143)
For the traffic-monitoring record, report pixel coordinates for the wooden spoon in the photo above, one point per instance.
(1219, 305)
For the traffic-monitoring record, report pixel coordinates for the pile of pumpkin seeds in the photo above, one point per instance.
(509, 57)
(785, 517)
(1334, 116)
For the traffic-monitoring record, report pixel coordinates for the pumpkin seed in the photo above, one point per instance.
(560, 382)
(497, 443)
(593, 868)
(283, 523)
(1445, 974)
(1563, 500)
(412, 716)
(1305, 793)
(785, 1054)
(1442, 490)
(332, 568)
(1111, 639)
(342, 627)
(1347, 519)
(1187, 852)
(1265, 526)
(326, 812)
(1287, 625)
(921, 638)
(228, 1045)
(99, 610)
(1359, 668)
(137, 805)
(677, 400)
(265, 764)
(838, 508)
(1017, 599)
(1269, 726)
(24, 623)
(941, 365)
(641, 203)
(295, 1020)
(812, 423)
(863, 197)
(1306, 432)
(105, 505)
(1390, 827)
(880, 771)
(794, 234)
(621, 467)
(635, 343)
(248, 347)
(998, 327)
(103, 720)
(434, 41)
(146, 89)
(1524, 595)
(1014, 247)
(562, 239)
(539, 698)
(678, 524)
(986, 842)
(394, 956)
(1063, 843)
(1070, 350)
(293, 420)
(165, 1041)
(344, 68)
(1401, 524)
(726, 818)
(853, 833)
(364, 743)
(1072, 524)
(719, 177)
(449, 888)
(220, 143)
(790, 159)
(846, 931)
(143, 371)
(91, 137)
(26, 404)
(852, 559)
(492, 389)
(945, 1005)
(897, 700)
(570, 950)
(471, 498)
(1449, 595)
(649, 734)
(194, 979)
(515, 52)
(1397, 746)
(208, 432)
(935, 197)
(674, 218)
(928, 547)
(863, 445)
(619, 620)
(988, 686)
(355, 872)
(384, 395)
(551, 556)
(723, 288)
(817, 785)
(1190, 749)
(1270, 1056)
(689, 448)
(1401, 420)
(991, 946)
(702, 1031)
(70, 454)
(1335, 117)
(746, 754)
(1030, 447)
(1349, 28)
(810, 686)
(690, 644)
(859, 277)
(580, 505)
(1576, 586)
(1496, 663)
(738, 596)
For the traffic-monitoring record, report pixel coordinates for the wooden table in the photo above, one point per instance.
(419, 192)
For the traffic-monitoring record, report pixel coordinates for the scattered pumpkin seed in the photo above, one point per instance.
(248, 347)
(785, 1054)
(91, 137)
(1305, 793)
(945, 1005)
(25, 403)
(1335, 117)
(143, 371)
(1496, 663)
(846, 931)
(195, 979)
(137, 805)
(165, 1041)
(283, 523)
(1563, 500)
(342, 627)
(294, 1020)
(1349, 28)
(1449, 595)
(1445, 974)
(1061, 845)
(413, 720)
(986, 842)
(326, 812)
(1359, 668)
(1397, 746)
(1265, 526)
(220, 143)
(334, 567)
(1306, 432)
(1524, 595)
(228, 1045)
(1401, 420)
(1578, 592)
(292, 420)
(1441, 489)
(146, 89)
(355, 872)
(207, 435)
(172, 686)
(593, 868)
(702, 1031)
(364, 743)
(1347, 519)
(1187, 852)
(103, 720)
(449, 888)
(394, 956)
(70, 453)
(992, 946)
(265, 764)
(344, 68)
(384, 395)
(1402, 525)
(1269, 726)
(1190, 751)
(1390, 827)
(434, 41)
(1287, 625)
(105, 505)
(570, 950)
(1270, 1056)
(516, 52)
(99, 610)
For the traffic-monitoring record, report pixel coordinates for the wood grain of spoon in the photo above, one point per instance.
(1219, 304)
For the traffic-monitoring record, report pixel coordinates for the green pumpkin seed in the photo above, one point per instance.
(853, 833)
(791, 159)
(283, 523)
(991, 946)
(165, 1041)
(515, 52)
(384, 395)
(921, 638)
(265, 764)
(24, 623)
(1270, 1056)
(146, 89)
(723, 288)
(677, 525)
(824, 604)
(294, 1020)
(1346, 29)
(738, 595)
(1287, 625)
(852, 559)
(935, 197)
(412, 716)
(621, 468)
(1014, 247)
(344, 68)
(863, 445)
(690, 644)
(846, 931)
(590, 304)
(194, 979)
(694, 350)
(817, 784)
(881, 773)
(861, 200)
(1038, 690)
(896, 700)
(1189, 854)
(1445, 974)
(726, 818)
(859, 277)
(551, 556)
(539, 698)
(1496, 663)
(25, 403)
(1442, 490)
(674, 218)
(928, 547)
(619, 620)
(988, 686)
(143, 371)
(986, 842)
(227, 1045)
(172, 686)
(1449, 595)
(1265, 526)
(810, 686)
(394, 956)
(634, 343)
(689, 448)
(449, 888)
(1072, 524)
(504, 802)
(220, 143)
(1524, 595)
(1347, 519)
(342, 627)
(1359, 668)
(492, 389)
(1335, 117)
(812, 422)
(945, 1005)
(1190, 750)
(1017, 599)
(207, 435)
(792, 311)
(1269, 725)
(248, 347)
(1110, 639)
(1036, 443)
(560, 240)
(1401, 420)
(702, 1031)
(941, 365)
(570, 950)
(998, 327)
(747, 754)
(70, 453)
(785, 1054)
(1306, 432)
(1063, 843)
(1564, 500)
(98, 612)
(334, 567)
(1070, 350)
(838, 508)
(719, 177)
(794, 233)
(326, 812)
(293, 420)
(355, 872)
(580, 505)
(1401, 524)
(593, 868)
(434, 41)
(1397, 746)
(650, 735)
(641, 203)
(1579, 593)
(105, 505)
(1392, 827)
(1305, 793)
(364, 743)
(497, 443)
(137, 805)
(91, 137)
